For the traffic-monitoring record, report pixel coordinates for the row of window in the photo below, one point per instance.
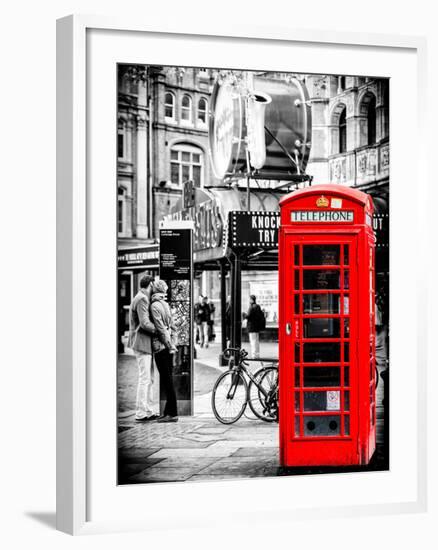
(186, 109)
(186, 163)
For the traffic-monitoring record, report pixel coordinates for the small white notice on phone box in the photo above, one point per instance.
(333, 400)
(336, 203)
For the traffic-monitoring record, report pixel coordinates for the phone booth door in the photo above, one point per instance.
(319, 381)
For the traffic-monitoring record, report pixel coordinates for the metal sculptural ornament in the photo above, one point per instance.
(259, 123)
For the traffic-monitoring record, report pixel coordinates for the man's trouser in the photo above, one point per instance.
(254, 341)
(147, 405)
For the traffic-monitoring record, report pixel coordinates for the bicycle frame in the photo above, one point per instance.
(242, 367)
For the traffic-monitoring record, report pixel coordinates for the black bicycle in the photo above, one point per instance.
(232, 392)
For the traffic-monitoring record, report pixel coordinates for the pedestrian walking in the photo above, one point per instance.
(164, 347)
(210, 322)
(141, 331)
(202, 316)
(256, 322)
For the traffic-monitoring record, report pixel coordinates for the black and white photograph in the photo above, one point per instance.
(208, 162)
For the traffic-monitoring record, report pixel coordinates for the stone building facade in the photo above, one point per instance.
(180, 104)
(132, 151)
(163, 142)
(350, 136)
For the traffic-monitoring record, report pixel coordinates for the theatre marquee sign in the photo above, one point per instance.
(254, 229)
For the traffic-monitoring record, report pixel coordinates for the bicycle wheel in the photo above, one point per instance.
(263, 396)
(229, 397)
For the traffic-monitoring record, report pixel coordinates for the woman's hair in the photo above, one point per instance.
(159, 286)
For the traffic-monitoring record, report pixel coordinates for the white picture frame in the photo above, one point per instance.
(79, 38)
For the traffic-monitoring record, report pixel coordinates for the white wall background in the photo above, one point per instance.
(27, 218)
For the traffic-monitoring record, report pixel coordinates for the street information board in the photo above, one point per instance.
(176, 268)
(175, 254)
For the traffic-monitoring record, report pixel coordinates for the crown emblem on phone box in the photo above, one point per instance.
(322, 202)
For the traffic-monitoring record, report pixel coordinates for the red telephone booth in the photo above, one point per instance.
(326, 329)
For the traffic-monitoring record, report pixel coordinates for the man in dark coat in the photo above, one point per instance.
(202, 318)
(141, 330)
(255, 323)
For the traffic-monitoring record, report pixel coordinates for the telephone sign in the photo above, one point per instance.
(322, 216)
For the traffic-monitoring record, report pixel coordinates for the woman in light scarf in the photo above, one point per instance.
(164, 347)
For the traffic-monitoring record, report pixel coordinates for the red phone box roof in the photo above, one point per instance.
(326, 204)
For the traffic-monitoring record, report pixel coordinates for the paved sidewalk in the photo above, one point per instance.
(199, 447)
(196, 449)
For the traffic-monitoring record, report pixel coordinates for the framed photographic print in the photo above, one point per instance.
(233, 259)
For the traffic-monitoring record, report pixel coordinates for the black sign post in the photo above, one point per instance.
(176, 268)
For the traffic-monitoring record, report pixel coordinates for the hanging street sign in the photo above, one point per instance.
(254, 229)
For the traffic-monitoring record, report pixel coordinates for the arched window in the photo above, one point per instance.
(343, 131)
(341, 83)
(186, 109)
(202, 111)
(371, 117)
(169, 106)
(186, 163)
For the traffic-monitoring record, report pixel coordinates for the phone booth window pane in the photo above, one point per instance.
(297, 425)
(296, 279)
(322, 328)
(315, 377)
(297, 377)
(327, 254)
(346, 352)
(346, 376)
(315, 279)
(321, 425)
(346, 305)
(296, 254)
(297, 400)
(297, 304)
(346, 328)
(346, 255)
(346, 279)
(322, 353)
(346, 401)
(297, 353)
(347, 424)
(321, 303)
(315, 401)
